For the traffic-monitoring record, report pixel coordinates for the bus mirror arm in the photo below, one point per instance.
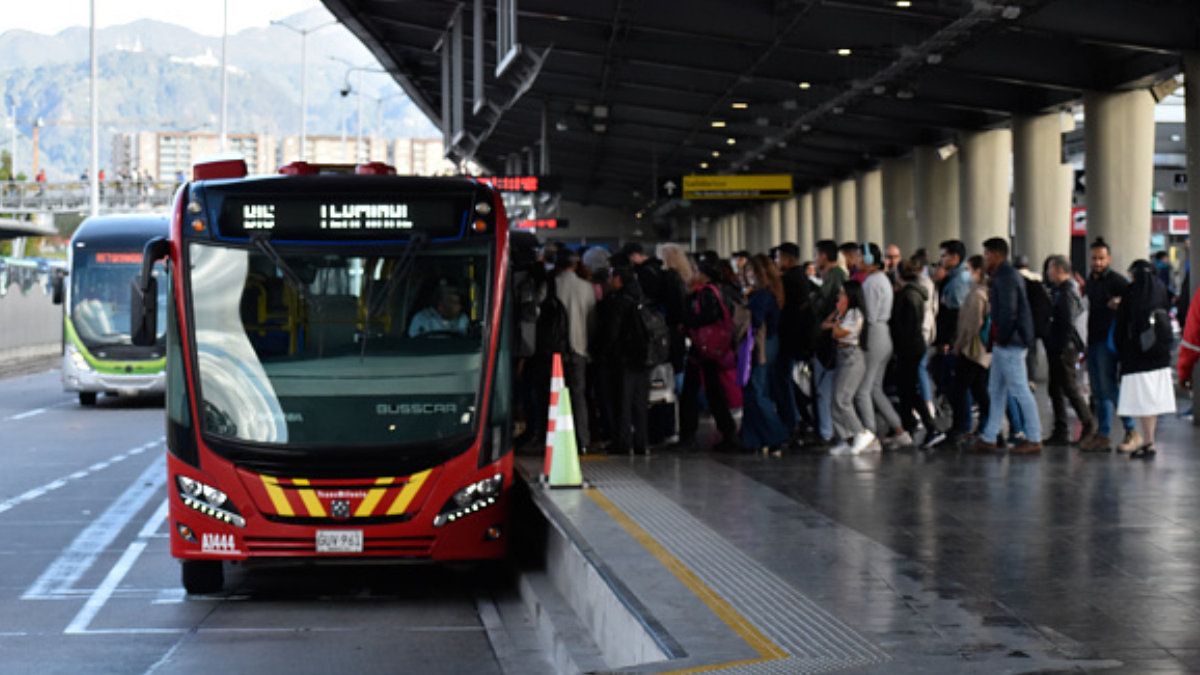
(58, 286)
(143, 306)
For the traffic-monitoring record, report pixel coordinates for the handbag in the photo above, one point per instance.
(745, 357)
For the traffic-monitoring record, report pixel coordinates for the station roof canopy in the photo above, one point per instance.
(630, 91)
(11, 229)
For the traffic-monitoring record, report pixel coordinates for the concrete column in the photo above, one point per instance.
(806, 225)
(1191, 65)
(937, 196)
(791, 225)
(775, 219)
(741, 231)
(899, 208)
(985, 169)
(823, 213)
(1119, 140)
(1041, 196)
(869, 209)
(845, 210)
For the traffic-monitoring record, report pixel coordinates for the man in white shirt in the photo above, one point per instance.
(578, 297)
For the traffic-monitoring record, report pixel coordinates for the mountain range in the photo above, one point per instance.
(155, 76)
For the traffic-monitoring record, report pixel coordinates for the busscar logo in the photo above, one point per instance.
(416, 408)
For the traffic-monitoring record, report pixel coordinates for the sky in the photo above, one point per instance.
(202, 16)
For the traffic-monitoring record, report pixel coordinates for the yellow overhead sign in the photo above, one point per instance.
(766, 186)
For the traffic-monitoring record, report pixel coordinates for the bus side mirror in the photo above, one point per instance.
(57, 286)
(143, 305)
(143, 312)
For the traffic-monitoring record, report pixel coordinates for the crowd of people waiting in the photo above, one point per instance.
(858, 350)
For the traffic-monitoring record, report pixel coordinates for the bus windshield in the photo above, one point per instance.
(100, 302)
(338, 347)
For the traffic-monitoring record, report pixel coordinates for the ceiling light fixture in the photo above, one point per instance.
(703, 165)
(806, 85)
(844, 51)
(731, 141)
(741, 106)
(716, 153)
(904, 3)
(717, 124)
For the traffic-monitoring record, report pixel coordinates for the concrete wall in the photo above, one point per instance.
(30, 325)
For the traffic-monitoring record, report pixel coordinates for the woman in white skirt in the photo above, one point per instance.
(1143, 338)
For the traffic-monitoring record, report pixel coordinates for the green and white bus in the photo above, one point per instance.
(98, 354)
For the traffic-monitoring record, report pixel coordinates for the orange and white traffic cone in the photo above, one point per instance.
(556, 387)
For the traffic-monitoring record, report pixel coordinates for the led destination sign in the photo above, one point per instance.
(306, 219)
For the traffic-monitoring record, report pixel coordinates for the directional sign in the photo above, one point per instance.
(763, 186)
(670, 187)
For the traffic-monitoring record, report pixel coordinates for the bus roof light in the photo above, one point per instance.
(219, 168)
(375, 169)
(299, 169)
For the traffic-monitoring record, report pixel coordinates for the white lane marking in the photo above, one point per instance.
(57, 483)
(96, 602)
(107, 587)
(32, 413)
(81, 554)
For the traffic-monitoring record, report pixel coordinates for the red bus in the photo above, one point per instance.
(338, 367)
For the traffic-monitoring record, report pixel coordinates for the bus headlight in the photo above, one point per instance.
(208, 500)
(78, 360)
(472, 498)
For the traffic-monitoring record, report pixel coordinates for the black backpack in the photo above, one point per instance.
(651, 341)
(1040, 307)
(553, 332)
(527, 314)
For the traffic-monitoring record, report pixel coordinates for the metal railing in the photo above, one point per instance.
(32, 197)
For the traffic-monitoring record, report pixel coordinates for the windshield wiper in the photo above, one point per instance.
(378, 300)
(262, 241)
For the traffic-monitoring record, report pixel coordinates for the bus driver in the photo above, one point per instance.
(444, 316)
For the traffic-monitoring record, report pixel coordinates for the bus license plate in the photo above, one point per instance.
(339, 541)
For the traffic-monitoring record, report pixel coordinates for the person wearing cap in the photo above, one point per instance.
(648, 270)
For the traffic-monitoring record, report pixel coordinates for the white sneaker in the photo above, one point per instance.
(842, 448)
(863, 442)
(904, 440)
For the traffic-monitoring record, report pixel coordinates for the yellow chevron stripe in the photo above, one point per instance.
(373, 497)
(310, 499)
(409, 492)
(282, 506)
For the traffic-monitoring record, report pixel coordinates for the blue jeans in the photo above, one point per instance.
(782, 391)
(823, 385)
(1010, 377)
(1102, 371)
(923, 378)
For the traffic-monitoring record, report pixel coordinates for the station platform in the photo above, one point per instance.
(902, 562)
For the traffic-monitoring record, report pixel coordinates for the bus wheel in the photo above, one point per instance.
(203, 576)
(87, 398)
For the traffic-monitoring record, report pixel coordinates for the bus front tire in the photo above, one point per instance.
(201, 577)
(87, 398)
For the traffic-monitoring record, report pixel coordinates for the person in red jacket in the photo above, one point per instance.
(1189, 347)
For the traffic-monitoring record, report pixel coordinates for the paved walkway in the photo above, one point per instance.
(938, 561)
